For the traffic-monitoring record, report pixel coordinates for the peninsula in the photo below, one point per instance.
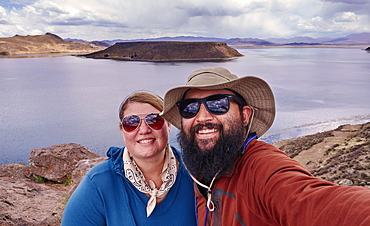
(48, 44)
(161, 51)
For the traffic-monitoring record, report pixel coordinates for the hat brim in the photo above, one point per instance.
(255, 91)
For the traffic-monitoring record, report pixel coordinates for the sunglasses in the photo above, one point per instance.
(131, 122)
(218, 104)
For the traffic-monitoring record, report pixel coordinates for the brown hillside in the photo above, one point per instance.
(341, 156)
(167, 51)
(43, 44)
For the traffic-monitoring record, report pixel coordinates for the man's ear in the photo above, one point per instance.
(247, 112)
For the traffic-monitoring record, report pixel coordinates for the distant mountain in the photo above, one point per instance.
(243, 42)
(304, 39)
(74, 40)
(166, 39)
(233, 41)
(360, 39)
(98, 43)
(353, 39)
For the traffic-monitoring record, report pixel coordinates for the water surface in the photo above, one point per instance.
(53, 100)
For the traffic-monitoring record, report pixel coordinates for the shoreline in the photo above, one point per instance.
(312, 128)
(364, 46)
(247, 46)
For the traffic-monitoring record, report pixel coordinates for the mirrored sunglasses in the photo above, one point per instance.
(216, 104)
(132, 122)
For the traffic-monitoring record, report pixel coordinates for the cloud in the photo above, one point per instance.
(126, 19)
(207, 9)
(346, 17)
(355, 2)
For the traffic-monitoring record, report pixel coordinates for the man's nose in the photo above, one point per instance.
(203, 114)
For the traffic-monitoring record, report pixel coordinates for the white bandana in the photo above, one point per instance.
(135, 176)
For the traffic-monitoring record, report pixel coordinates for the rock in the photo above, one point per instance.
(345, 182)
(15, 170)
(56, 163)
(23, 202)
(82, 167)
(351, 171)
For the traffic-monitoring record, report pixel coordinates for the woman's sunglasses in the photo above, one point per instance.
(132, 122)
(216, 104)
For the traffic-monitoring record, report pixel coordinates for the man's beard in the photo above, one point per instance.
(205, 164)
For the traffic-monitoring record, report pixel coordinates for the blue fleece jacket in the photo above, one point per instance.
(106, 197)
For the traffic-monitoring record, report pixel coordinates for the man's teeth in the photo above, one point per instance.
(145, 141)
(207, 131)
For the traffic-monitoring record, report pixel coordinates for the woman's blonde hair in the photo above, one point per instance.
(147, 97)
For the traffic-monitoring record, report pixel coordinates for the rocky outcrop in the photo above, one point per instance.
(56, 163)
(43, 44)
(36, 194)
(167, 51)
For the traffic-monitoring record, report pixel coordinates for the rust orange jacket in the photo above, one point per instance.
(266, 187)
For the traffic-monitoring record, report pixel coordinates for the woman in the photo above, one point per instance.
(143, 183)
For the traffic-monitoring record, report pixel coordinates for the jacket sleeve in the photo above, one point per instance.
(85, 206)
(289, 194)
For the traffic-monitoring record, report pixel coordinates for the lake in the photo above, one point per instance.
(54, 100)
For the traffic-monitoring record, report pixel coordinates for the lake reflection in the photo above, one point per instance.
(47, 101)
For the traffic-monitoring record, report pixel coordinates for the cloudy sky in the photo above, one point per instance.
(133, 19)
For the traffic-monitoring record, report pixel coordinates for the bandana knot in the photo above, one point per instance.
(136, 177)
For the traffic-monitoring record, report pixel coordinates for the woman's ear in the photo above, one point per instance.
(247, 112)
(121, 130)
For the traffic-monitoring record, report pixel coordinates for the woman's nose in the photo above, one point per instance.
(144, 128)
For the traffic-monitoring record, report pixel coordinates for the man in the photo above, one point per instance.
(243, 181)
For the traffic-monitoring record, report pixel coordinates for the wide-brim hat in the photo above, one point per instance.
(256, 92)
